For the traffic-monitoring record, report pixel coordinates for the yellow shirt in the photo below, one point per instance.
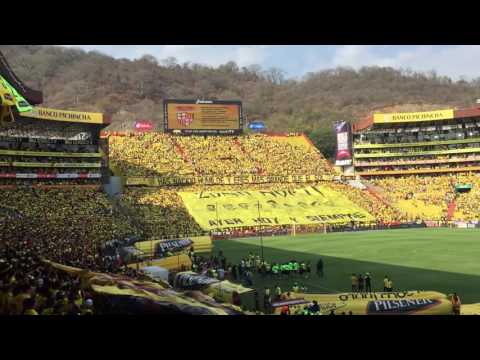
(385, 283)
(354, 280)
(30, 312)
(390, 284)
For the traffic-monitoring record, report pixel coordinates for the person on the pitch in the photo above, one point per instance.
(368, 282)
(456, 304)
(320, 268)
(360, 282)
(278, 292)
(354, 283)
(309, 270)
(295, 288)
(315, 308)
(390, 285)
(385, 283)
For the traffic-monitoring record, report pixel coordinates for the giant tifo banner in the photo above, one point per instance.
(343, 155)
(312, 205)
(203, 116)
(413, 117)
(227, 180)
(64, 115)
(132, 296)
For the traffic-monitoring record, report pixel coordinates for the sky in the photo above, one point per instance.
(454, 61)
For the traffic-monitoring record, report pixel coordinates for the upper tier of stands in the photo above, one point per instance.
(155, 154)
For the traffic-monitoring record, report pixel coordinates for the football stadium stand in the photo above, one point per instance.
(416, 160)
(153, 154)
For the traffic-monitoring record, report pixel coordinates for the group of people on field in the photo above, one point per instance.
(363, 283)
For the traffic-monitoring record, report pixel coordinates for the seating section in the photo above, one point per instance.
(428, 197)
(383, 212)
(69, 225)
(161, 212)
(150, 154)
(467, 205)
(159, 154)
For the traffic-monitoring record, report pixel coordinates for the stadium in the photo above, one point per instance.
(214, 215)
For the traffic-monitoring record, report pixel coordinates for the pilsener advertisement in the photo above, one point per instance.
(203, 116)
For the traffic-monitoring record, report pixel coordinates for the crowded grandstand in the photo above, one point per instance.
(424, 163)
(98, 222)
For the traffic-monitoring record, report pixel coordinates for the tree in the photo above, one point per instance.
(149, 59)
(275, 75)
(170, 62)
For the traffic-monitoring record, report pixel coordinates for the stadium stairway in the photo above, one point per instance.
(376, 193)
(181, 151)
(451, 210)
(247, 154)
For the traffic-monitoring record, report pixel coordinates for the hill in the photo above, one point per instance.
(130, 90)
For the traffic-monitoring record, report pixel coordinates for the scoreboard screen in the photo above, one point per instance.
(203, 116)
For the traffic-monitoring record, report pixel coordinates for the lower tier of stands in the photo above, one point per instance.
(429, 197)
(163, 214)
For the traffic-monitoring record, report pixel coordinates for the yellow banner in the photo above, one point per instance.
(380, 303)
(413, 117)
(128, 291)
(7, 98)
(232, 180)
(64, 115)
(224, 291)
(233, 209)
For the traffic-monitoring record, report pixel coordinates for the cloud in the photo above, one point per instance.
(452, 61)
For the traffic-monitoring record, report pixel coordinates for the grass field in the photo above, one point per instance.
(444, 260)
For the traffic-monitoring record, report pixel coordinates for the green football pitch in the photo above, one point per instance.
(444, 260)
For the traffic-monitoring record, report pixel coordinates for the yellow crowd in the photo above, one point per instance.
(149, 154)
(383, 212)
(69, 225)
(427, 197)
(156, 154)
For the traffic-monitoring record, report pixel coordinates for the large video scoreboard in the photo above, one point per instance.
(203, 116)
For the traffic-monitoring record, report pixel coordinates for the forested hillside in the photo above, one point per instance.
(130, 90)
